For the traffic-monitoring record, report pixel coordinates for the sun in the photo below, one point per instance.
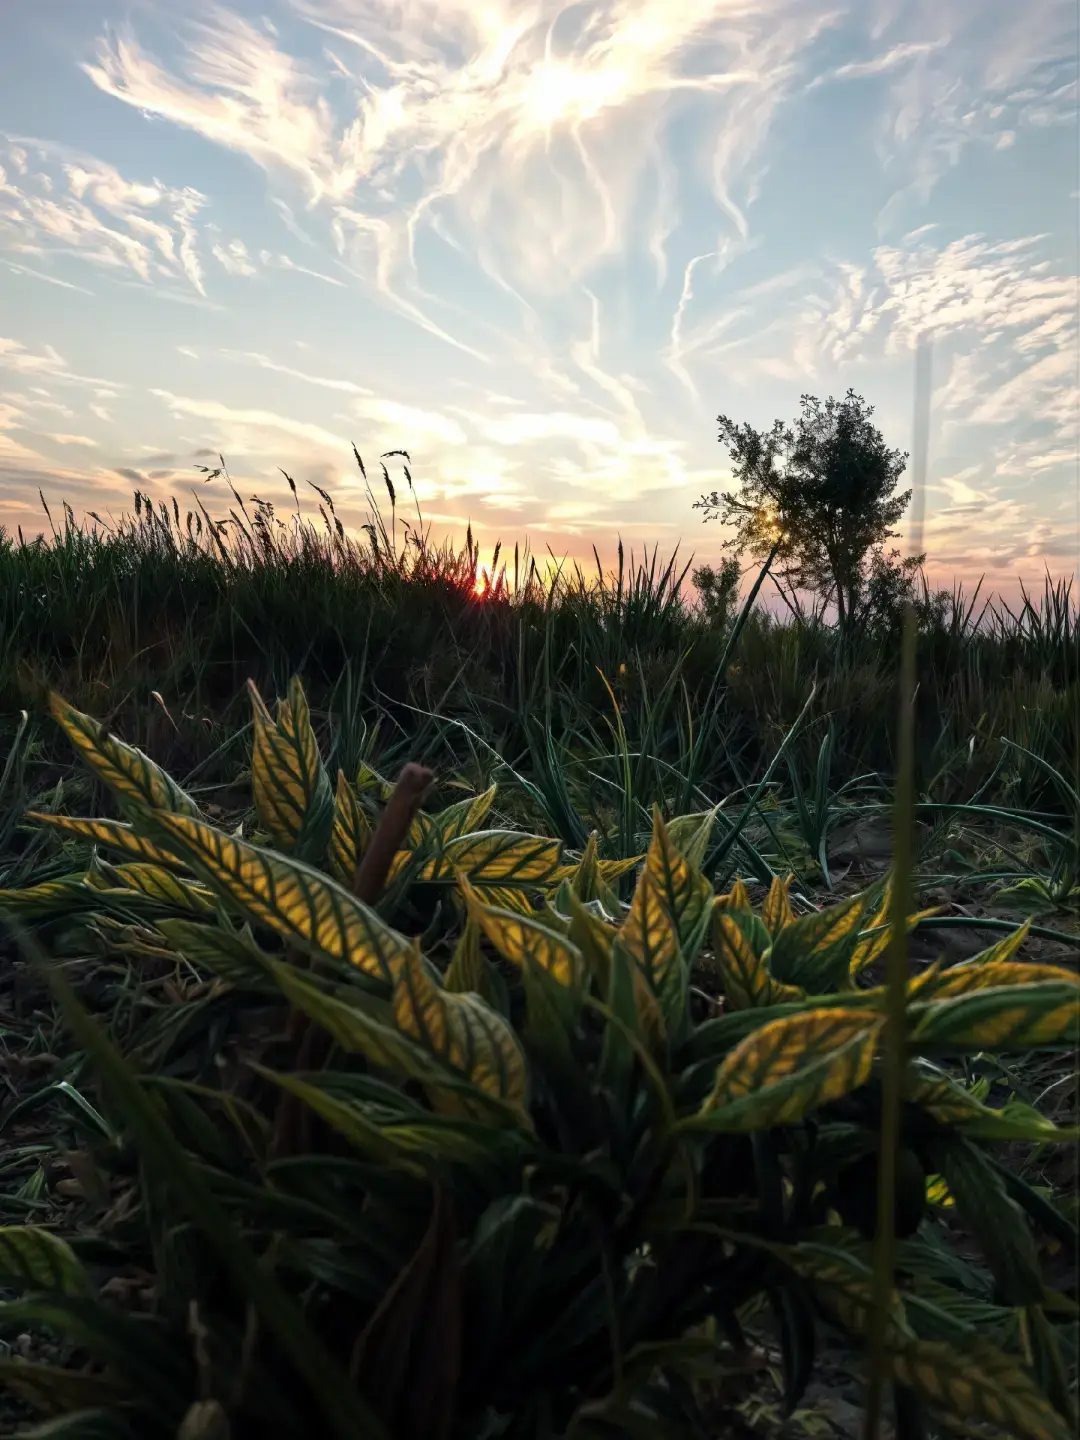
(481, 585)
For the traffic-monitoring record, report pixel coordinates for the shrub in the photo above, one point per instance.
(510, 1176)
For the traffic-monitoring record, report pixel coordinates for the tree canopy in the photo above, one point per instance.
(821, 492)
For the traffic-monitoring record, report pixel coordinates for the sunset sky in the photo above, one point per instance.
(540, 246)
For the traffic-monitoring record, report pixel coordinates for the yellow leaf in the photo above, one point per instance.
(1017, 1016)
(285, 894)
(504, 897)
(351, 832)
(161, 884)
(737, 898)
(963, 979)
(495, 857)
(789, 1067)
(843, 1285)
(777, 912)
(873, 945)
(114, 834)
(461, 1030)
(747, 981)
(134, 779)
(976, 1383)
(290, 784)
(525, 940)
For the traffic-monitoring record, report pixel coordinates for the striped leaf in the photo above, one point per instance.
(525, 940)
(843, 1285)
(951, 1104)
(776, 913)
(789, 1067)
(970, 976)
(350, 833)
(736, 899)
(505, 897)
(815, 950)
(747, 980)
(877, 930)
(495, 857)
(37, 1261)
(111, 834)
(684, 892)
(292, 790)
(370, 782)
(463, 818)
(667, 921)
(363, 1026)
(160, 884)
(136, 782)
(286, 895)
(1015, 1017)
(51, 897)
(461, 1030)
(976, 1384)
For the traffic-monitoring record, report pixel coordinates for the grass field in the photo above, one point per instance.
(587, 699)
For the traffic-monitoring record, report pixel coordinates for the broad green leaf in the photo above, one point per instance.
(350, 834)
(419, 1146)
(33, 1260)
(746, 978)
(951, 1104)
(234, 958)
(525, 940)
(286, 895)
(462, 1030)
(495, 857)
(977, 1383)
(468, 970)
(777, 913)
(999, 1225)
(690, 834)
(594, 938)
(789, 1067)
(814, 951)
(133, 778)
(113, 834)
(1018, 1017)
(292, 790)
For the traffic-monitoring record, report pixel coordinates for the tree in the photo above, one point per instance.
(822, 489)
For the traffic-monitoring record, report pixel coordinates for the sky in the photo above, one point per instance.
(541, 247)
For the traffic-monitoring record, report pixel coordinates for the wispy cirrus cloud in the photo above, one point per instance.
(541, 244)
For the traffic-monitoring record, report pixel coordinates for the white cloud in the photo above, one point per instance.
(250, 432)
(73, 440)
(91, 212)
(234, 258)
